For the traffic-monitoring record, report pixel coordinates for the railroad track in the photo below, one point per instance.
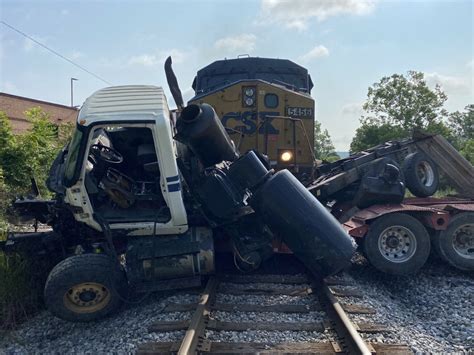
(339, 333)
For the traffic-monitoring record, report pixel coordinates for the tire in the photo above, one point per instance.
(85, 287)
(456, 243)
(421, 174)
(397, 244)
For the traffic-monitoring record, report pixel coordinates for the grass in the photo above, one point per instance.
(443, 192)
(20, 290)
(21, 286)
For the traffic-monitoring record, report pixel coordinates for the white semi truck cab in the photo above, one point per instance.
(141, 200)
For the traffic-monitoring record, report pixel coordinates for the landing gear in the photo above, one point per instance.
(456, 243)
(397, 244)
(84, 288)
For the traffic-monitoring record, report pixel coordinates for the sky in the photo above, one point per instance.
(347, 45)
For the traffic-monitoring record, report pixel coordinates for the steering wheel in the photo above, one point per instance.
(106, 154)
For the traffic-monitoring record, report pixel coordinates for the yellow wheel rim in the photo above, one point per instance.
(87, 297)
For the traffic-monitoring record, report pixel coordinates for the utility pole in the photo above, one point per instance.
(72, 91)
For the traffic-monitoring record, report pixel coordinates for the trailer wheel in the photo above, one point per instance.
(397, 244)
(456, 243)
(421, 174)
(85, 287)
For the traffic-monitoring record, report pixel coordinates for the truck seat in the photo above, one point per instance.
(146, 157)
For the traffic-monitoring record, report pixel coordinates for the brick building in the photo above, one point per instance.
(15, 106)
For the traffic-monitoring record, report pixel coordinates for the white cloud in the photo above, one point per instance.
(29, 45)
(188, 94)
(242, 42)
(450, 84)
(317, 52)
(147, 60)
(9, 88)
(178, 55)
(298, 13)
(470, 64)
(352, 109)
(77, 55)
(158, 58)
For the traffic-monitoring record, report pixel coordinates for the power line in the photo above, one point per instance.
(54, 52)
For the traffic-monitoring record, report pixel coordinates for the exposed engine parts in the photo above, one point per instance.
(150, 199)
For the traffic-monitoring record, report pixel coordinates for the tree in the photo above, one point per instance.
(462, 123)
(30, 154)
(323, 146)
(369, 135)
(468, 150)
(405, 102)
(398, 104)
(6, 136)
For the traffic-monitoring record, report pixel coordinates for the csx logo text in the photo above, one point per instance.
(249, 121)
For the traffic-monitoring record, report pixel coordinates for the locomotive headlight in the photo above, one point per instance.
(286, 156)
(249, 96)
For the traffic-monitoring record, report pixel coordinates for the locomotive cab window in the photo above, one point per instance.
(271, 100)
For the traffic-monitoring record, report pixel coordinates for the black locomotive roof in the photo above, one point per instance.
(222, 73)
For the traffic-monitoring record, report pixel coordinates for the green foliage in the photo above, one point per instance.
(22, 157)
(3, 204)
(462, 123)
(6, 136)
(404, 101)
(323, 146)
(468, 150)
(396, 106)
(30, 154)
(21, 289)
(371, 134)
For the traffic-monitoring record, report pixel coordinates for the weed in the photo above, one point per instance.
(21, 285)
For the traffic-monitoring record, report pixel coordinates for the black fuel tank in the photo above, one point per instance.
(309, 230)
(199, 128)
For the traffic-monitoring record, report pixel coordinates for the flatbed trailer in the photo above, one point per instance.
(396, 234)
(420, 174)
(399, 237)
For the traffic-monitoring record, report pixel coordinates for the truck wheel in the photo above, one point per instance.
(456, 243)
(85, 287)
(397, 244)
(421, 174)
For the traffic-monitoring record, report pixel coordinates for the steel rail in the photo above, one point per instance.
(197, 324)
(344, 325)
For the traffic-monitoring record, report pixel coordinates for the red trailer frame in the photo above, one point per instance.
(433, 213)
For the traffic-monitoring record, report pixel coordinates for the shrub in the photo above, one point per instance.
(22, 157)
(21, 289)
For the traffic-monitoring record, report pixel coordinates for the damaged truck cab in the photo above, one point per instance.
(125, 157)
(142, 200)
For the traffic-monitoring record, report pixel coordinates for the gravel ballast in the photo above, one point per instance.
(121, 332)
(431, 312)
